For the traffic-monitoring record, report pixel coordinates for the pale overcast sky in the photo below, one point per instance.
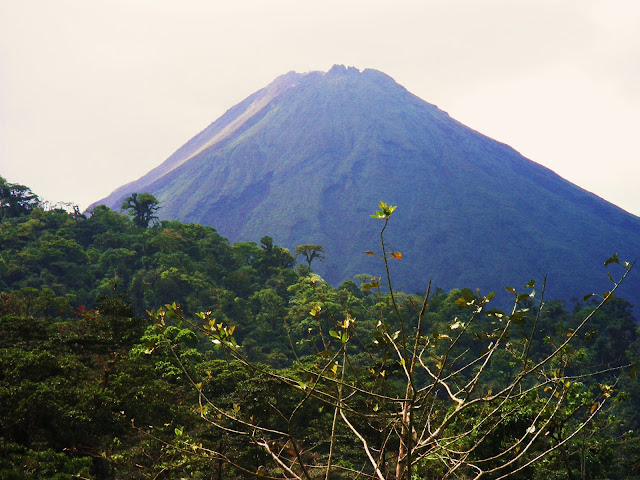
(94, 93)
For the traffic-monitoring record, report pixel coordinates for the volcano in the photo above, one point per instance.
(307, 159)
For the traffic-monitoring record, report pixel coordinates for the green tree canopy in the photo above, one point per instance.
(141, 207)
(310, 251)
(16, 200)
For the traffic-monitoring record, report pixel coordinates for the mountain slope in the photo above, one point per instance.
(307, 159)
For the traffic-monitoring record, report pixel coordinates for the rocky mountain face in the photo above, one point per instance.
(308, 158)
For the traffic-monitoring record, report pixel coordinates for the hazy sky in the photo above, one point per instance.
(94, 93)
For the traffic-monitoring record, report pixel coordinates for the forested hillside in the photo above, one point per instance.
(132, 352)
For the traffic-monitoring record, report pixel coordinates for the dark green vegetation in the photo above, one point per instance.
(303, 159)
(141, 208)
(91, 386)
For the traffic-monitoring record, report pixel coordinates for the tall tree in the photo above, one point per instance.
(310, 252)
(141, 207)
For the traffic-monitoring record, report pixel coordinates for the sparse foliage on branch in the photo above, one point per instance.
(484, 393)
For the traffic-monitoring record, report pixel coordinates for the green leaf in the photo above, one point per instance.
(491, 295)
(512, 290)
(587, 296)
(467, 294)
(334, 334)
(496, 313)
(461, 302)
(384, 212)
(613, 259)
(517, 318)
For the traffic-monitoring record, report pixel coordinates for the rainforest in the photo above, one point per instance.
(159, 350)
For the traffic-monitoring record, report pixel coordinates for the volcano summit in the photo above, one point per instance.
(307, 159)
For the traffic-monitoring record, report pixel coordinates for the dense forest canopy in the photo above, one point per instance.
(108, 369)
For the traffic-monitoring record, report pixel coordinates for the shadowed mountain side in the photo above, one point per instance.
(311, 163)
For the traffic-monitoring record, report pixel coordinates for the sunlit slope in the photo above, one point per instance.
(312, 162)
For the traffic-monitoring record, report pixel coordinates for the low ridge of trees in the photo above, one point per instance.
(247, 366)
